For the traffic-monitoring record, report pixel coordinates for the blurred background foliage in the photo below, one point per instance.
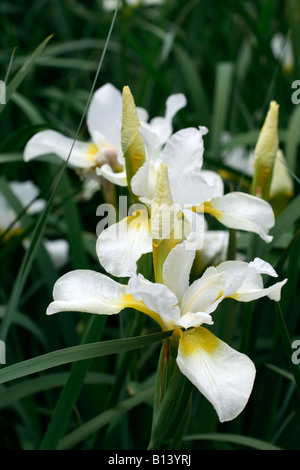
(219, 55)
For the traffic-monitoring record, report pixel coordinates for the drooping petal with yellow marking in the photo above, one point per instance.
(157, 298)
(48, 142)
(242, 211)
(91, 292)
(224, 376)
(87, 291)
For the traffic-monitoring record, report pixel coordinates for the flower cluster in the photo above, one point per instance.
(164, 175)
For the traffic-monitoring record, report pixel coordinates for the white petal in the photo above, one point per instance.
(143, 115)
(190, 319)
(144, 181)
(194, 230)
(214, 249)
(177, 268)
(105, 114)
(47, 142)
(205, 293)
(214, 180)
(122, 244)
(118, 178)
(162, 126)
(242, 211)
(224, 376)
(244, 281)
(157, 297)
(251, 291)
(235, 274)
(183, 153)
(87, 291)
(263, 267)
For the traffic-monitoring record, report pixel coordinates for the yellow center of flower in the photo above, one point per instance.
(107, 154)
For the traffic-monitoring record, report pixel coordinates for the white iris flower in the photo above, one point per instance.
(102, 155)
(223, 375)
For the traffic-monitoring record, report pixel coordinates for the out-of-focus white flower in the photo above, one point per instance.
(27, 192)
(103, 155)
(283, 51)
(239, 158)
(110, 5)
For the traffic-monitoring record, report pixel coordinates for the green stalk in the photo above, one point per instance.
(172, 412)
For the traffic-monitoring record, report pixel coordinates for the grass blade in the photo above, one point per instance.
(235, 439)
(24, 70)
(103, 419)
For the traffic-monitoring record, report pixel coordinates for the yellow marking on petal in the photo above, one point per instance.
(198, 338)
(209, 209)
(129, 301)
(92, 152)
(221, 293)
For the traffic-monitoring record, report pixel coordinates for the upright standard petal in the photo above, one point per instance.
(162, 126)
(105, 114)
(87, 291)
(224, 376)
(121, 245)
(177, 268)
(204, 294)
(242, 211)
(183, 154)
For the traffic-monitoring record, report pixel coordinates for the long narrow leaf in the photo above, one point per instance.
(77, 353)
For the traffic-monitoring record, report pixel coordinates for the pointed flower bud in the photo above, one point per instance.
(282, 188)
(265, 153)
(131, 140)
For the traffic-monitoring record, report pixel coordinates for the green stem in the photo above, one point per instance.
(171, 410)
